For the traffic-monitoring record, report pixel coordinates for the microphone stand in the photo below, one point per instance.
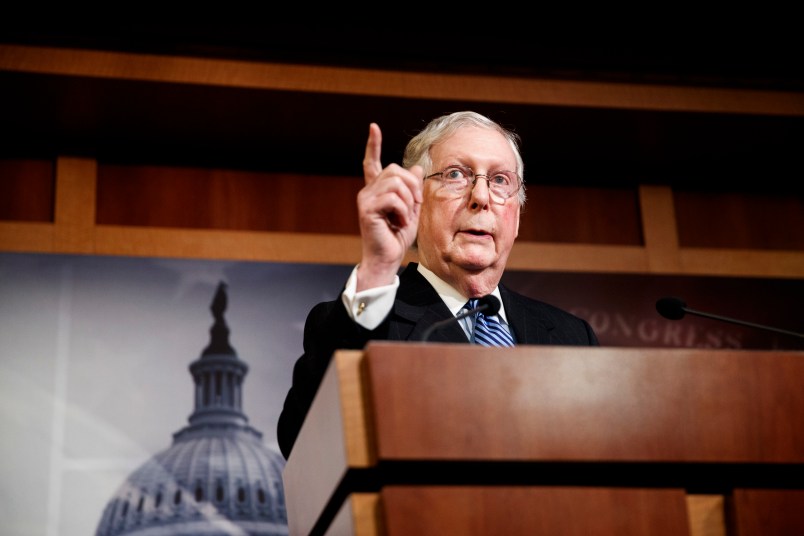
(673, 305)
(482, 306)
(742, 322)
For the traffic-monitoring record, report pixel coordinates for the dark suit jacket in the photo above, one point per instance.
(416, 307)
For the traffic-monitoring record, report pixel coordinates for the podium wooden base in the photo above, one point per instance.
(422, 439)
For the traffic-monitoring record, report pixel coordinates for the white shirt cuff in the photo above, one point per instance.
(368, 307)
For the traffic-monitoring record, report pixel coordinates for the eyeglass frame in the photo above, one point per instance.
(475, 176)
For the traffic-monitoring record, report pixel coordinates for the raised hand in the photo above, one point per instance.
(388, 210)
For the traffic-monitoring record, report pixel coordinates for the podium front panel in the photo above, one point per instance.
(527, 510)
(464, 402)
(401, 426)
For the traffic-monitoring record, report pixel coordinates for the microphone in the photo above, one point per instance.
(675, 309)
(489, 304)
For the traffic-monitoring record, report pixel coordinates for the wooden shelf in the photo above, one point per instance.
(233, 114)
(626, 165)
(75, 231)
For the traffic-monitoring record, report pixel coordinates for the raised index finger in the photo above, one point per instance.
(371, 161)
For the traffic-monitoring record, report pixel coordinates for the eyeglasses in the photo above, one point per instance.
(461, 179)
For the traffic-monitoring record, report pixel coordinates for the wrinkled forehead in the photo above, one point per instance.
(476, 147)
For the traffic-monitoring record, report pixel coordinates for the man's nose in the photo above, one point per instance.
(480, 192)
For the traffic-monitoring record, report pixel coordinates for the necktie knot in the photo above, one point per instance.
(488, 330)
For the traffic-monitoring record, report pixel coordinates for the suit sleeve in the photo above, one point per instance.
(590, 334)
(328, 328)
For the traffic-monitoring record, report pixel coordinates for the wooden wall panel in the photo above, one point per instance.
(582, 215)
(200, 198)
(742, 220)
(27, 190)
(766, 512)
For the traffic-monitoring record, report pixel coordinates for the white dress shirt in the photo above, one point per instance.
(370, 307)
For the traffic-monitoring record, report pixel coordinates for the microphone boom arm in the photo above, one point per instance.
(675, 308)
(742, 322)
(488, 302)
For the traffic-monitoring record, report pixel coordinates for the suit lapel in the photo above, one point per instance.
(528, 326)
(417, 307)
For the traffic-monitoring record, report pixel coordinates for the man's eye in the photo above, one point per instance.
(454, 174)
(501, 180)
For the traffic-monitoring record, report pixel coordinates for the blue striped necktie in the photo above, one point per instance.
(488, 330)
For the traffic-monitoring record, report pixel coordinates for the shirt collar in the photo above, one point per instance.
(452, 298)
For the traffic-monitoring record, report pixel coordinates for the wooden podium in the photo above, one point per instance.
(439, 439)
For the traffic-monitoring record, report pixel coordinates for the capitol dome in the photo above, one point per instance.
(217, 478)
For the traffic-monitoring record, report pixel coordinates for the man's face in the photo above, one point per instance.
(468, 233)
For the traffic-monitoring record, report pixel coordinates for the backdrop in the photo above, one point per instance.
(94, 356)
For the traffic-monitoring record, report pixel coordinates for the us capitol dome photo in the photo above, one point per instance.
(217, 478)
